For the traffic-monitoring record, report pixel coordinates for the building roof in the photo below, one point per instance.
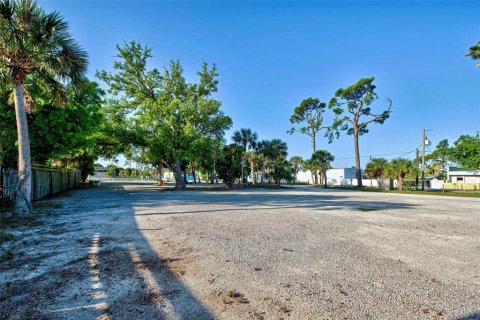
(454, 171)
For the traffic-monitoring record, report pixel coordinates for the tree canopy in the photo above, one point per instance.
(168, 118)
(353, 114)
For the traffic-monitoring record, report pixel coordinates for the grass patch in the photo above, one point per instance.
(466, 194)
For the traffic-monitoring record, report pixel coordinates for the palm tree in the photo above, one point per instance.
(263, 149)
(308, 165)
(35, 43)
(323, 159)
(278, 154)
(474, 53)
(246, 139)
(252, 158)
(296, 163)
(400, 169)
(376, 168)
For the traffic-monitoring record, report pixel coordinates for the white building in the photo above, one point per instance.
(335, 176)
(460, 175)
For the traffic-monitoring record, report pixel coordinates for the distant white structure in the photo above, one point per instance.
(99, 173)
(337, 177)
(342, 176)
(460, 175)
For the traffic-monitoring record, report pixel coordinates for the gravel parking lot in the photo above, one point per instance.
(132, 251)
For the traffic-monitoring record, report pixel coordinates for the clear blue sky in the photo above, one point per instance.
(271, 55)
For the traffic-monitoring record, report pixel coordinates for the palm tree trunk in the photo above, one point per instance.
(324, 169)
(23, 191)
(241, 176)
(251, 172)
(400, 183)
(357, 160)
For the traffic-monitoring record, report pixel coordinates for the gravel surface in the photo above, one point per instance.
(133, 251)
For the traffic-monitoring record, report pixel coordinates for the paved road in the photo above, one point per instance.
(129, 251)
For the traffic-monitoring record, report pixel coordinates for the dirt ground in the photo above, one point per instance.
(133, 251)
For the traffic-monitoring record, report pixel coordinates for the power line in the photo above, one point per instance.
(381, 155)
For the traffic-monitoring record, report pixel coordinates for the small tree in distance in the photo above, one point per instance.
(296, 163)
(401, 169)
(246, 139)
(376, 168)
(323, 158)
(309, 116)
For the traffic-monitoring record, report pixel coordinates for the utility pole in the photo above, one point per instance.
(416, 177)
(423, 159)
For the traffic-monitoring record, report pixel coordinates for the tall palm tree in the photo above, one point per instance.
(323, 159)
(35, 43)
(246, 139)
(296, 163)
(376, 168)
(474, 53)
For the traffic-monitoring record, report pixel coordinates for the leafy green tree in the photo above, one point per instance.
(401, 169)
(246, 139)
(466, 151)
(309, 118)
(229, 164)
(376, 168)
(33, 42)
(353, 114)
(322, 159)
(474, 53)
(439, 158)
(296, 163)
(166, 115)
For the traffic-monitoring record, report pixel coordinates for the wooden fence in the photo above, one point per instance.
(45, 181)
(461, 186)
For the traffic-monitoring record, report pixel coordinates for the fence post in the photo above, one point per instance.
(34, 183)
(1, 186)
(51, 181)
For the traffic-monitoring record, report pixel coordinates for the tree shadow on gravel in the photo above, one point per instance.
(472, 316)
(105, 270)
(257, 199)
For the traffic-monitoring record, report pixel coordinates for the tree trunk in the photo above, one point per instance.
(400, 183)
(263, 174)
(251, 172)
(314, 145)
(179, 179)
(23, 191)
(160, 173)
(193, 172)
(358, 173)
(241, 176)
(214, 173)
(325, 176)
